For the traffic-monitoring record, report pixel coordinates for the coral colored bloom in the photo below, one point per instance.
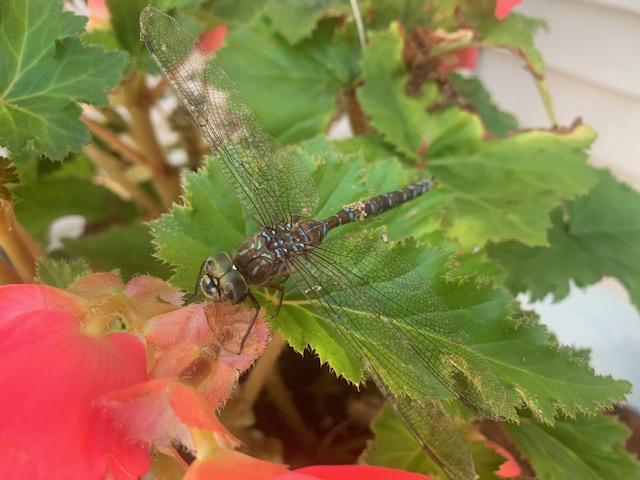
(99, 15)
(232, 465)
(52, 373)
(504, 7)
(509, 468)
(200, 343)
(350, 472)
(211, 40)
(161, 411)
(463, 59)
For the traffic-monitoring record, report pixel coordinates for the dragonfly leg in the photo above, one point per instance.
(255, 303)
(280, 290)
(197, 285)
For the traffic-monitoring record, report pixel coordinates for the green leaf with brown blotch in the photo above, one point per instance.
(405, 121)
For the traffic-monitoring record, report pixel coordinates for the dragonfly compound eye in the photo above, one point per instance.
(233, 287)
(209, 287)
(218, 264)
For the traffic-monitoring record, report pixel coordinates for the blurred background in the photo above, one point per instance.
(591, 50)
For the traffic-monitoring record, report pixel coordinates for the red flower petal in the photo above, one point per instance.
(504, 7)
(463, 59)
(509, 468)
(51, 375)
(208, 332)
(212, 39)
(352, 472)
(231, 465)
(159, 411)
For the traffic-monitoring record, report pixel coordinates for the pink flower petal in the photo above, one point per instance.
(95, 286)
(152, 296)
(209, 332)
(504, 7)
(159, 411)
(51, 375)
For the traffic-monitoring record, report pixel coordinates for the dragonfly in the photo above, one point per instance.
(352, 278)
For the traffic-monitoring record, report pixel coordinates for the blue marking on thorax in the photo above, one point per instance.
(350, 213)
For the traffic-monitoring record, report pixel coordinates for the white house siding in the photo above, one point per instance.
(592, 53)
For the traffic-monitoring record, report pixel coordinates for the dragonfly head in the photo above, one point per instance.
(221, 280)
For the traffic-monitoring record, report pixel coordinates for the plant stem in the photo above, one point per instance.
(357, 118)
(113, 141)
(166, 179)
(545, 95)
(112, 167)
(7, 274)
(13, 243)
(256, 379)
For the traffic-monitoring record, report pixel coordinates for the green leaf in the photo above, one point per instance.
(292, 89)
(588, 448)
(60, 273)
(236, 12)
(522, 353)
(394, 446)
(474, 92)
(211, 220)
(599, 235)
(296, 19)
(506, 189)
(515, 33)
(546, 377)
(404, 121)
(44, 71)
(410, 13)
(127, 249)
(124, 17)
(38, 205)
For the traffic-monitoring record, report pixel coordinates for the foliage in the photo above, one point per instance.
(45, 70)
(586, 447)
(512, 210)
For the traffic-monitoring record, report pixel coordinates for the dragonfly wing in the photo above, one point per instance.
(271, 185)
(403, 331)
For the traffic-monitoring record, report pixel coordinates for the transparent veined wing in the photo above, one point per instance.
(401, 329)
(270, 182)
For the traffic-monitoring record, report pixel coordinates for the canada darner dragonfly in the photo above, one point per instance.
(353, 278)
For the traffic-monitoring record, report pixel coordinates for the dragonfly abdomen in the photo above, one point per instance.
(379, 204)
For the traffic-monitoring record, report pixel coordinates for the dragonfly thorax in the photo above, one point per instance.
(262, 259)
